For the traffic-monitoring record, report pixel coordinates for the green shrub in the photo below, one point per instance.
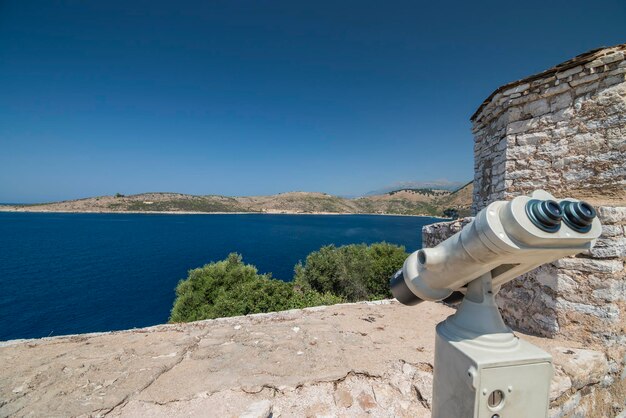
(353, 272)
(230, 287)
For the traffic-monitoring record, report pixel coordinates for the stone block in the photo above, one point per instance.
(553, 150)
(571, 71)
(547, 276)
(612, 80)
(565, 410)
(588, 141)
(521, 126)
(577, 176)
(343, 398)
(525, 187)
(586, 88)
(541, 82)
(609, 231)
(423, 384)
(594, 64)
(584, 80)
(604, 157)
(556, 90)
(612, 290)
(590, 265)
(519, 174)
(607, 312)
(537, 164)
(533, 138)
(584, 367)
(617, 56)
(521, 152)
(513, 114)
(612, 215)
(565, 284)
(561, 384)
(563, 115)
(537, 108)
(520, 88)
(609, 248)
(561, 101)
(261, 409)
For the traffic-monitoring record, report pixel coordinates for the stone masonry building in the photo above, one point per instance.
(563, 130)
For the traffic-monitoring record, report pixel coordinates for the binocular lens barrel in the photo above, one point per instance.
(545, 214)
(578, 215)
(401, 291)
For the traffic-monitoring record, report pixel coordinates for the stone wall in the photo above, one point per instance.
(563, 130)
(582, 297)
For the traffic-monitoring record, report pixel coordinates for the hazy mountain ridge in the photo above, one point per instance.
(430, 202)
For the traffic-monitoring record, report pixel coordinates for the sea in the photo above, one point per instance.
(63, 273)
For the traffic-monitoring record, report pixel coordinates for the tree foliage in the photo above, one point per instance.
(230, 287)
(451, 213)
(353, 272)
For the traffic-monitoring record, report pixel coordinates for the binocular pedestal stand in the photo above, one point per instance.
(482, 369)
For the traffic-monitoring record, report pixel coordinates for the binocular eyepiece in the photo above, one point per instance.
(548, 214)
(578, 215)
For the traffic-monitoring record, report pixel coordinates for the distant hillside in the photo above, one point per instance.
(429, 202)
(418, 185)
(460, 200)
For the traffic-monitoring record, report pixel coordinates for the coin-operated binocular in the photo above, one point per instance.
(481, 368)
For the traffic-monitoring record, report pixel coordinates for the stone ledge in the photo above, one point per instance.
(343, 360)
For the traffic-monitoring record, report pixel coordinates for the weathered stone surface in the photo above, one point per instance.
(609, 248)
(353, 357)
(561, 384)
(584, 367)
(583, 80)
(607, 312)
(516, 89)
(610, 290)
(537, 108)
(375, 361)
(558, 89)
(261, 409)
(343, 398)
(423, 384)
(590, 265)
(571, 71)
(612, 215)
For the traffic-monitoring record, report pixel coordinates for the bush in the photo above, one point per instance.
(230, 287)
(353, 272)
(451, 213)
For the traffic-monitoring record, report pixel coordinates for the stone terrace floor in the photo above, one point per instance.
(344, 360)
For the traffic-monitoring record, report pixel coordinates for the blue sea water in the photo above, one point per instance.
(76, 273)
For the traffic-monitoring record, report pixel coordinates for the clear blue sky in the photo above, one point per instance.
(259, 97)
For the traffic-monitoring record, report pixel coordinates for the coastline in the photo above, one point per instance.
(13, 209)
